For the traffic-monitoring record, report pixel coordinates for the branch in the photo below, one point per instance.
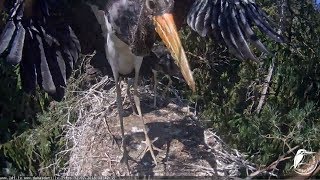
(274, 165)
(265, 87)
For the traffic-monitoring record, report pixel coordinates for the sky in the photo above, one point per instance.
(318, 1)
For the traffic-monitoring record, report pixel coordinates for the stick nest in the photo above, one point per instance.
(93, 138)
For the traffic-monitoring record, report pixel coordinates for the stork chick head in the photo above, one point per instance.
(159, 7)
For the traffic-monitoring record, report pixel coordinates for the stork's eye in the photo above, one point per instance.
(150, 4)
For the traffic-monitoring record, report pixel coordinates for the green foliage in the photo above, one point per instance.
(29, 132)
(229, 91)
(34, 151)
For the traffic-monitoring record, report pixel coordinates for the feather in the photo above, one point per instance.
(238, 35)
(62, 66)
(207, 20)
(262, 24)
(28, 65)
(46, 77)
(70, 42)
(55, 63)
(248, 32)
(232, 22)
(17, 7)
(66, 55)
(200, 17)
(75, 45)
(45, 46)
(215, 21)
(15, 54)
(191, 19)
(227, 36)
(60, 83)
(44, 6)
(6, 35)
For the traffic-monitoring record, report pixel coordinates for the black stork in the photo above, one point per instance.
(131, 27)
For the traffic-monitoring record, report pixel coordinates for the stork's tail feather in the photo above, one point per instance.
(45, 49)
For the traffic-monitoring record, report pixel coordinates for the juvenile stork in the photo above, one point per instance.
(130, 28)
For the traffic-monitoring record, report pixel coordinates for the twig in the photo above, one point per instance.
(109, 131)
(265, 87)
(274, 165)
(199, 57)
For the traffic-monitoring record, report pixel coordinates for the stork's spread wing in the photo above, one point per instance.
(232, 21)
(45, 47)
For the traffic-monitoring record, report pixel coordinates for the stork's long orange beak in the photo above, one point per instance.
(167, 30)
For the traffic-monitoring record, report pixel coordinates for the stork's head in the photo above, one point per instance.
(162, 15)
(159, 7)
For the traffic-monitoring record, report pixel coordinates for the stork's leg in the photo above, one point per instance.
(148, 142)
(105, 27)
(129, 83)
(155, 73)
(168, 85)
(125, 157)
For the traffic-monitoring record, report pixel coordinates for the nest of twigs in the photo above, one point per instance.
(93, 141)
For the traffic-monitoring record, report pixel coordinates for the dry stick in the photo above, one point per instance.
(199, 57)
(265, 87)
(283, 5)
(111, 134)
(273, 165)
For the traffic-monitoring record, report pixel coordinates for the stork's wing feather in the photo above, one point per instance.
(46, 77)
(12, 33)
(6, 35)
(15, 54)
(44, 45)
(70, 49)
(232, 21)
(27, 65)
(57, 71)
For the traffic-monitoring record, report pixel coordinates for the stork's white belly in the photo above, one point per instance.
(119, 54)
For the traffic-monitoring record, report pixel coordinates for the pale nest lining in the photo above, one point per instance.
(93, 140)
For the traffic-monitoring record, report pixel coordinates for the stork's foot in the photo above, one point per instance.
(155, 73)
(150, 147)
(125, 159)
(155, 102)
(134, 110)
(160, 102)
